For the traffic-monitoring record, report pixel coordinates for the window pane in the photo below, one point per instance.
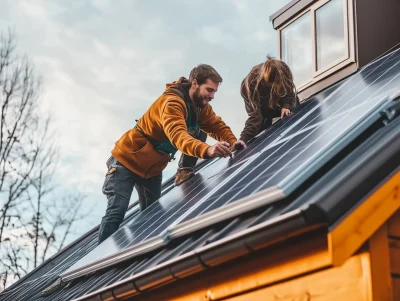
(331, 44)
(297, 48)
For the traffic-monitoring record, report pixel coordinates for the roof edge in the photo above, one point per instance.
(237, 244)
(215, 216)
(282, 10)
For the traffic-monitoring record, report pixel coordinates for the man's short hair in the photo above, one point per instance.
(203, 72)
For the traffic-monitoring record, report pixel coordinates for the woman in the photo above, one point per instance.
(268, 92)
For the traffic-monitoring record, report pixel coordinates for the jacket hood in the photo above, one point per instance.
(182, 82)
(179, 87)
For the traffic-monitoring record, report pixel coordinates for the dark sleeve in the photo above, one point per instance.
(289, 101)
(254, 121)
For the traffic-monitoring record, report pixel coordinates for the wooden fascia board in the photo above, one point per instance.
(285, 260)
(346, 237)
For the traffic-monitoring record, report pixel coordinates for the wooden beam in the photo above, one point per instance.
(348, 282)
(356, 228)
(396, 288)
(394, 225)
(395, 256)
(381, 280)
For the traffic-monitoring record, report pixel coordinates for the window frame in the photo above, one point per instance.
(348, 58)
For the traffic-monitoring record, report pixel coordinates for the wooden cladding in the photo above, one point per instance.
(394, 225)
(395, 256)
(396, 289)
(394, 247)
(348, 282)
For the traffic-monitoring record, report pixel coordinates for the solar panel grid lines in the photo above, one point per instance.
(305, 129)
(346, 84)
(276, 158)
(188, 202)
(289, 162)
(354, 122)
(272, 194)
(219, 186)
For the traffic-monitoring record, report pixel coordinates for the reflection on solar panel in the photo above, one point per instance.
(275, 164)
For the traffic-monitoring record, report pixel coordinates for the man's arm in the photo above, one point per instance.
(174, 124)
(213, 125)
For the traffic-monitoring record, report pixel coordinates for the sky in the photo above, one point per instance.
(104, 62)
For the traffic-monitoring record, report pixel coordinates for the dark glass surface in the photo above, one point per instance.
(276, 156)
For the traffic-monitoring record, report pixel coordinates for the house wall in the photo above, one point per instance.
(295, 270)
(348, 282)
(378, 28)
(394, 249)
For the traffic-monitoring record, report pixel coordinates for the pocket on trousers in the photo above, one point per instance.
(109, 181)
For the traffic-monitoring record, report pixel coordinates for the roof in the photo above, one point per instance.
(288, 11)
(339, 180)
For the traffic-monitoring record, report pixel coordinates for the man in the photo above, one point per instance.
(172, 122)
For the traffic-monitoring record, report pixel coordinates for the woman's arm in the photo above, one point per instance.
(253, 123)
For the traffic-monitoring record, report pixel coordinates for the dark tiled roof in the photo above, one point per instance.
(324, 198)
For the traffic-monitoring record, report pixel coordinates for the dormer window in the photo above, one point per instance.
(318, 41)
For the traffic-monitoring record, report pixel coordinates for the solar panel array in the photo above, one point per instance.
(280, 158)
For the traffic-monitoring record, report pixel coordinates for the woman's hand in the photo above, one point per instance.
(285, 112)
(239, 145)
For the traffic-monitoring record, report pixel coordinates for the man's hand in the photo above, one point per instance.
(221, 149)
(285, 112)
(238, 145)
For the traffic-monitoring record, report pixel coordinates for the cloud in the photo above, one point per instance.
(215, 35)
(102, 49)
(104, 64)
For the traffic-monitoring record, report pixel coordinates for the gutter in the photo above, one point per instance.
(216, 253)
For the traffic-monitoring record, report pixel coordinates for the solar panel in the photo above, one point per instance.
(277, 162)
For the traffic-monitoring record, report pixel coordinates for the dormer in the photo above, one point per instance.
(324, 41)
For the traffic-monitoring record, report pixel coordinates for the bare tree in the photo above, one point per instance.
(34, 223)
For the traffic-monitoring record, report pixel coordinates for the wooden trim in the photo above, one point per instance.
(316, 87)
(290, 13)
(279, 44)
(294, 19)
(290, 259)
(282, 10)
(395, 256)
(348, 282)
(394, 225)
(396, 289)
(309, 81)
(314, 43)
(351, 31)
(344, 58)
(381, 280)
(348, 235)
